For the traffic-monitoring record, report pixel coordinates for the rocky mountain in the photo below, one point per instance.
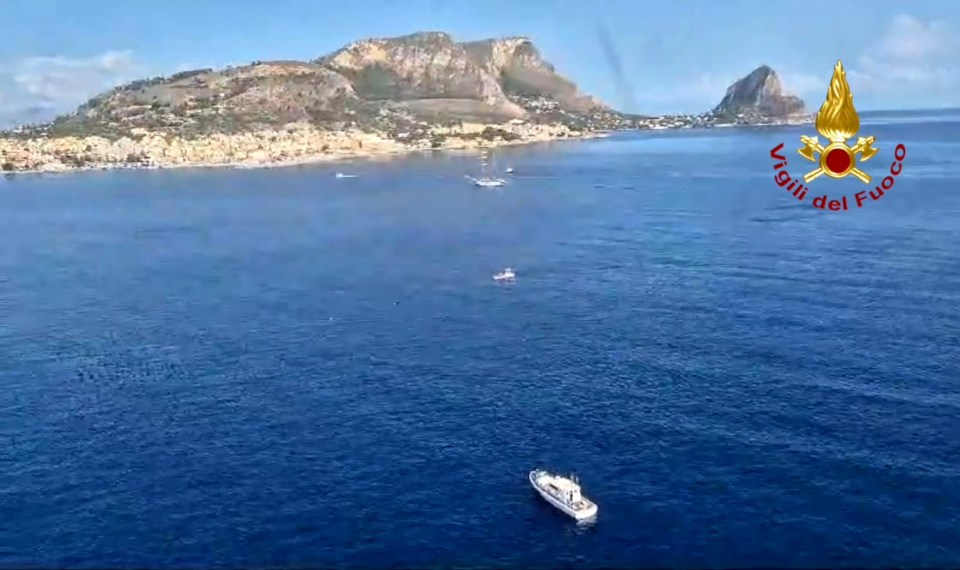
(377, 96)
(391, 86)
(757, 97)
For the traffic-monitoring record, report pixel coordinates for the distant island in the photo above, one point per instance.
(377, 96)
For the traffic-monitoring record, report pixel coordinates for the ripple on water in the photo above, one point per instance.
(322, 377)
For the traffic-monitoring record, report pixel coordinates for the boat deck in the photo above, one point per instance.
(582, 504)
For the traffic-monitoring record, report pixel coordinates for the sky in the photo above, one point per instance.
(636, 55)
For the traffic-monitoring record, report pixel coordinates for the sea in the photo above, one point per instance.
(282, 368)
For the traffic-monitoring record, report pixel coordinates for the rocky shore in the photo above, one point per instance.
(296, 144)
(293, 144)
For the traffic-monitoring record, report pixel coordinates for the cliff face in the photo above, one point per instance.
(522, 72)
(379, 85)
(423, 66)
(759, 94)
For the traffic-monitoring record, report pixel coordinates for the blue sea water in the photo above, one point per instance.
(213, 368)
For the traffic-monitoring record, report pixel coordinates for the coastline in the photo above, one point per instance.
(310, 147)
(293, 145)
(326, 158)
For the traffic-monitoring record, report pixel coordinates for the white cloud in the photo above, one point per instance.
(40, 87)
(912, 62)
(911, 56)
(800, 84)
(910, 40)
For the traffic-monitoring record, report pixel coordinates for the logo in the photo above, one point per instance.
(838, 122)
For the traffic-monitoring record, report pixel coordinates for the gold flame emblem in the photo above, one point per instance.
(838, 122)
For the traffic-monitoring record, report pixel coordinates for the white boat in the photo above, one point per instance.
(342, 175)
(509, 170)
(485, 180)
(506, 275)
(563, 493)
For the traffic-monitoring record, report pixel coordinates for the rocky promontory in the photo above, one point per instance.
(376, 96)
(758, 98)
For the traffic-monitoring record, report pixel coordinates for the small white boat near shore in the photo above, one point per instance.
(563, 493)
(486, 178)
(486, 182)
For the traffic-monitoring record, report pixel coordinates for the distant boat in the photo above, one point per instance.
(342, 175)
(485, 180)
(563, 493)
(506, 275)
(509, 170)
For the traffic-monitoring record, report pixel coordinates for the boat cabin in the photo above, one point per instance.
(567, 491)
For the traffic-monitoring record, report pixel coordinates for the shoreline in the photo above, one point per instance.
(381, 149)
(310, 160)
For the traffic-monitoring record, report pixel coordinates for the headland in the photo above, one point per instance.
(373, 97)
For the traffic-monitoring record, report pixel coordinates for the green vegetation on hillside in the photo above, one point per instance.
(424, 79)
